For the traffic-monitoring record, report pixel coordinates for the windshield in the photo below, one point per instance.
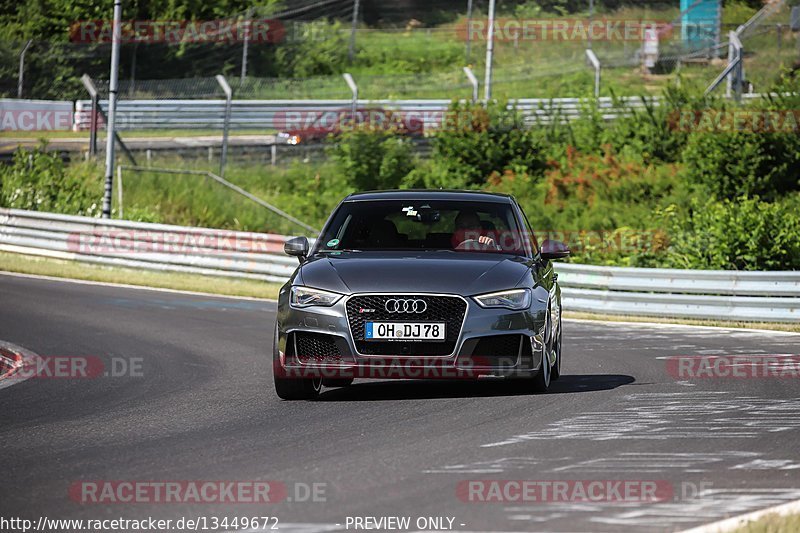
(486, 227)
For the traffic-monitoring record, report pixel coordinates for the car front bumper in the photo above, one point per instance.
(318, 341)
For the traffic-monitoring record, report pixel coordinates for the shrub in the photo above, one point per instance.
(744, 163)
(39, 181)
(372, 160)
(741, 234)
(324, 53)
(477, 141)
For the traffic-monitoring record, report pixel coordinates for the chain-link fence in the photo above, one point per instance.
(405, 49)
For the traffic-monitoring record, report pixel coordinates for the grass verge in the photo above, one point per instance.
(45, 266)
(772, 523)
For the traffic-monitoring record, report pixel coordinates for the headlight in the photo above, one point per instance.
(306, 297)
(514, 299)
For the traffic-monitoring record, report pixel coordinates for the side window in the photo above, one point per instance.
(531, 237)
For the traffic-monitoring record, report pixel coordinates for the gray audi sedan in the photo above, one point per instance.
(419, 284)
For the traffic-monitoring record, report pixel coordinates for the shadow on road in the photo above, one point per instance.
(432, 389)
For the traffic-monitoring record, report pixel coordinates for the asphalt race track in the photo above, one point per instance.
(199, 405)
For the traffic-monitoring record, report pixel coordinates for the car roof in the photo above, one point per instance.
(429, 194)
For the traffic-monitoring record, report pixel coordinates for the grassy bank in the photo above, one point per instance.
(44, 266)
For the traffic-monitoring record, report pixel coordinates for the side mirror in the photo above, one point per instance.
(298, 247)
(554, 250)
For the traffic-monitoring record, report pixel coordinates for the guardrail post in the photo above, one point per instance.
(226, 125)
(474, 81)
(354, 89)
(596, 64)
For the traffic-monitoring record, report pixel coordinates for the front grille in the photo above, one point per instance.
(447, 309)
(316, 348)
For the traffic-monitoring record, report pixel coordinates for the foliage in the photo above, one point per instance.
(323, 53)
(729, 164)
(476, 141)
(600, 206)
(372, 159)
(740, 234)
(39, 181)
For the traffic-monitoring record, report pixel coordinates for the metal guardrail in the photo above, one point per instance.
(708, 294)
(162, 247)
(294, 114)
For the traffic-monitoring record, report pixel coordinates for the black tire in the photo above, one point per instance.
(556, 370)
(541, 381)
(337, 382)
(298, 389)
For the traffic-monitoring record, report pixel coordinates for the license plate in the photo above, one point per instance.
(404, 331)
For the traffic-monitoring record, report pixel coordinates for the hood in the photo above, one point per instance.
(441, 271)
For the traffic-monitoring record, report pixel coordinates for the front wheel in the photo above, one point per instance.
(541, 381)
(556, 372)
(298, 389)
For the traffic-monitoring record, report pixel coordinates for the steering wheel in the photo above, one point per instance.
(475, 244)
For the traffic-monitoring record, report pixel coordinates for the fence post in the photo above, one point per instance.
(354, 89)
(248, 25)
(487, 84)
(351, 53)
(22, 67)
(596, 64)
(469, 27)
(474, 81)
(119, 190)
(226, 125)
(112, 108)
(92, 90)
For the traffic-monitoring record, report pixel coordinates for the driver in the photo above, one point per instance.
(469, 228)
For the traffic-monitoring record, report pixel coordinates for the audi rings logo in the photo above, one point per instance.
(405, 306)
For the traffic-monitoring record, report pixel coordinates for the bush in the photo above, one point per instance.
(601, 206)
(372, 160)
(740, 234)
(323, 53)
(476, 142)
(39, 181)
(744, 163)
(648, 133)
